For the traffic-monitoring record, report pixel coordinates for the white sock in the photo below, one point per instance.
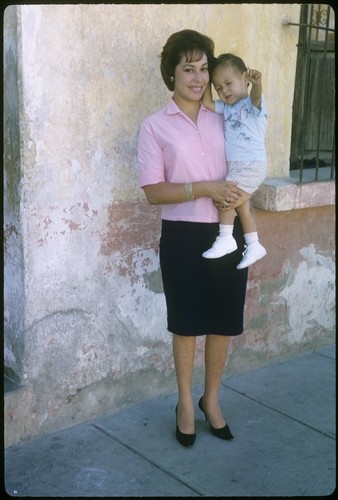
(251, 238)
(225, 229)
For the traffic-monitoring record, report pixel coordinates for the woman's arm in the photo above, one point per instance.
(165, 193)
(207, 100)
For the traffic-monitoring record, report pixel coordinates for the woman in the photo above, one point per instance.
(182, 163)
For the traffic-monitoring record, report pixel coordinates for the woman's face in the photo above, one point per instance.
(191, 79)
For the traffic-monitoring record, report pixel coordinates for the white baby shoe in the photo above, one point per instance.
(223, 244)
(251, 254)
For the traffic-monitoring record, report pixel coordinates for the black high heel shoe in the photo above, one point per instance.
(223, 432)
(184, 439)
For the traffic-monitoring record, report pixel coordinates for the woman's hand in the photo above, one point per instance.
(226, 195)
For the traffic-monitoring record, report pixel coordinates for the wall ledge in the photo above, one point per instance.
(278, 194)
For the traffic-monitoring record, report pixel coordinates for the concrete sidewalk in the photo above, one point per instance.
(282, 417)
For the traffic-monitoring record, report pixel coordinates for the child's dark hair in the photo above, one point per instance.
(189, 42)
(229, 60)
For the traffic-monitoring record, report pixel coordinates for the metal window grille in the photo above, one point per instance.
(313, 117)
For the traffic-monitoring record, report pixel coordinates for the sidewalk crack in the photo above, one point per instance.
(139, 454)
(280, 412)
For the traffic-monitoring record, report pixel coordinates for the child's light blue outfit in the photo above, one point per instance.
(245, 129)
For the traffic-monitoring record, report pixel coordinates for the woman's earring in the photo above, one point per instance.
(171, 78)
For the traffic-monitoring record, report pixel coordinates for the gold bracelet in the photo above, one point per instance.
(188, 191)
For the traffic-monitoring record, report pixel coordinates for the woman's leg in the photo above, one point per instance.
(184, 357)
(216, 350)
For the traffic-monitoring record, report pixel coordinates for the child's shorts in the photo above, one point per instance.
(248, 175)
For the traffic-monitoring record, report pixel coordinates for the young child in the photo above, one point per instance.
(245, 119)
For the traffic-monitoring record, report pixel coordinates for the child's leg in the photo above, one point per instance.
(246, 217)
(225, 242)
(254, 250)
(226, 217)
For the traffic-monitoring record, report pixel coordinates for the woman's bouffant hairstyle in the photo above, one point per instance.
(189, 43)
(229, 60)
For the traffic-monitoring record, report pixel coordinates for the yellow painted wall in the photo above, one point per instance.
(91, 75)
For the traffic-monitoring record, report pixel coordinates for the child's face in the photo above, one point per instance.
(230, 84)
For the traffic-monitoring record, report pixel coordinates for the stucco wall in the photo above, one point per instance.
(93, 328)
(290, 303)
(13, 248)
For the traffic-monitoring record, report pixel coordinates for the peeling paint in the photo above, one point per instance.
(154, 281)
(309, 294)
(130, 225)
(10, 230)
(74, 226)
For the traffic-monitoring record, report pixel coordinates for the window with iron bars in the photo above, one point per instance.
(312, 155)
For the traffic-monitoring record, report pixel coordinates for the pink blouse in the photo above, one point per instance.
(173, 149)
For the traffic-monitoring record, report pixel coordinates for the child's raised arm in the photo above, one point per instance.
(255, 77)
(207, 98)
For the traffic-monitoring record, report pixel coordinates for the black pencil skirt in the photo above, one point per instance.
(203, 296)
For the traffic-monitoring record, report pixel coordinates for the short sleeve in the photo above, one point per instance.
(259, 112)
(150, 157)
(219, 107)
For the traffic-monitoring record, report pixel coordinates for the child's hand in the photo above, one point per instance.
(254, 76)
